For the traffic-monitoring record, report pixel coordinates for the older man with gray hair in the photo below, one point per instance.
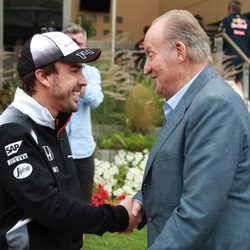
(195, 192)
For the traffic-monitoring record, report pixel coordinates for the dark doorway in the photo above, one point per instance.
(24, 18)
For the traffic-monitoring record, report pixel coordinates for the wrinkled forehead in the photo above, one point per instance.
(155, 34)
(156, 28)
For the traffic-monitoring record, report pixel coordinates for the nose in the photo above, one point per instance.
(147, 68)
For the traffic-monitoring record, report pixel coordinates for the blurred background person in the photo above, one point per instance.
(79, 129)
(140, 61)
(236, 26)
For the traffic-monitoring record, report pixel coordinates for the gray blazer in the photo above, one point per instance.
(196, 185)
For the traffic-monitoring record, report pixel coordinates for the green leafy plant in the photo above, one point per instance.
(141, 110)
(8, 82)
(117, 81)
(119, 78)
(110, 111)
(127, 140)
(7, 94)
(87, 24)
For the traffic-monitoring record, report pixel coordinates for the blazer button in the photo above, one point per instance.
(144, 184)
(150, 219)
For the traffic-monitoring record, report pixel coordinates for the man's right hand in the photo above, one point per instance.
(134, 208)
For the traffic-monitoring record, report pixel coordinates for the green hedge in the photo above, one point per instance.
(126, 140)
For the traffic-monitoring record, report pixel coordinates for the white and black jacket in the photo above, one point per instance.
(40, 200)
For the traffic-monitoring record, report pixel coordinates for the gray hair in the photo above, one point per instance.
(182, 26)
(74, 29)
(235, 6)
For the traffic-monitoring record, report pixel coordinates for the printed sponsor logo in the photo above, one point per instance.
(48, 153)
(17, 159)
(55, 169)
(12, 148)
(239, 23)
(83, 54)
(22, 171)
(239, 32)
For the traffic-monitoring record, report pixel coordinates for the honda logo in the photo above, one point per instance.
(48, 153)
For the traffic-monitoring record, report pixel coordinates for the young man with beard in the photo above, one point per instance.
(41, 205)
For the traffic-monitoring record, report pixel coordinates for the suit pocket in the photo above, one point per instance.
(169, 179)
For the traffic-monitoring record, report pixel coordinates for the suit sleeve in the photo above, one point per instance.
(31, 185)
(212, 142)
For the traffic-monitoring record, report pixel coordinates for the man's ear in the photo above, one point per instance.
(42, 77)
(181, 50)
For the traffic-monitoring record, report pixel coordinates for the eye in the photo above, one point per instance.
(150, 55)
(76, 69)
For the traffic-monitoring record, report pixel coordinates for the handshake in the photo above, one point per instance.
(134, 209)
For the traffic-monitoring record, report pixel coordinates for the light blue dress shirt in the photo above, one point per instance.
(79, 128)
(171, 104)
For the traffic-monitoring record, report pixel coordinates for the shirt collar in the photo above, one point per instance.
(171, 104)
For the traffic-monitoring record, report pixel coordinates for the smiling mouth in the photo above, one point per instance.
(76, 94)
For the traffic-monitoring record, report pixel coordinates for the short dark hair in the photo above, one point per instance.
(28, 81)
(235, 6)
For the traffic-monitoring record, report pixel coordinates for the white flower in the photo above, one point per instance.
(97, 178)
(118, 160)
(143, 164)
(121, 153)
(129, 156)
(128, 190)
(108, 188)
(138, 156)
(105, 165)
(118, 192)
(129, 175)
(132, 163)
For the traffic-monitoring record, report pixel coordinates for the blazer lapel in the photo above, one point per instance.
(165, 132)
(179, 112)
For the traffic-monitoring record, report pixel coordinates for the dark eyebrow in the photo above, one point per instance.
(77, 66)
